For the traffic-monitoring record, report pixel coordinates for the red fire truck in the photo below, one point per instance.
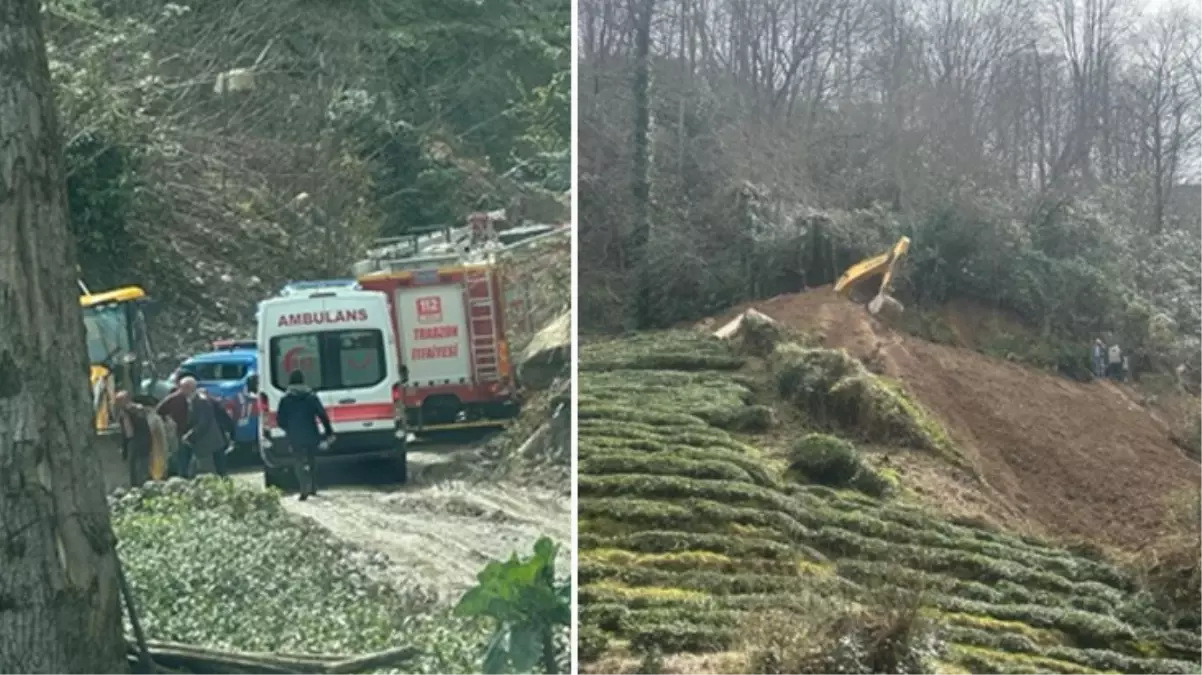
(449, 319)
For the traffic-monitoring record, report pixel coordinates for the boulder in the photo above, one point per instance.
(548, 355)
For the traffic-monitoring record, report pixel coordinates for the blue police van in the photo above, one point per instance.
(224, 373)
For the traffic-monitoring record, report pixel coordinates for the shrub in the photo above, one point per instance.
(662, 350)
(751, 419)
(882, 638)
(679, 637)
(213, 564)
(825, 460)
(592, 642)
(529, 609)
(837, 391)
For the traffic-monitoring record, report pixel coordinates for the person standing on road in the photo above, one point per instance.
(205, 435)
(176, 408)
(135, 437)
(299, 411)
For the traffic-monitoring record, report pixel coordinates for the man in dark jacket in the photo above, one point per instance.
(228, 429)
(297, 415)
(177, 407)
(205, 434)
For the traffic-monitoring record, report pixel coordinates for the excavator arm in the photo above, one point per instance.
(858, 281)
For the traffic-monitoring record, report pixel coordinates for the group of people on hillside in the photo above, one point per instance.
(200, 432)
(1109, 361)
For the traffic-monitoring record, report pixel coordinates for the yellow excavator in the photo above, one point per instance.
(868, 281)
(121, 358)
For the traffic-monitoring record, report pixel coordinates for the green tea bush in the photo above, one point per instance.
(664, 350)
(689, 536)
(592, 642)
(661, 465)
(835, 390)
(825, 460)
(218, 565)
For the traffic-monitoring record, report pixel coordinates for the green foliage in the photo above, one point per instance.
(825, 460)
(437, 108)
(101, 198)
(835, 390)
(688, 544)
(528, 608)
(592, 643)
(218, 565)
(668, 350)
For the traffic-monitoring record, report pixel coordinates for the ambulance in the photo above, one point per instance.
(342, 340)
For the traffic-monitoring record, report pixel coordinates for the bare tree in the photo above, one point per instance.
(1088, 32)
(640, 233)
(59, 591)
(1166, 104)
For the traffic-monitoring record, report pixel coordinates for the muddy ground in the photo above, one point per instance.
(1070, 459)
(440, 529)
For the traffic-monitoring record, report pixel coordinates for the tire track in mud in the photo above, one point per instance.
(438, 533)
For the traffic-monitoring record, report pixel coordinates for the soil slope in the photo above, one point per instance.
(1076, 460)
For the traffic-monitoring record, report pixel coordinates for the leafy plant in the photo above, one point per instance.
(214, 563)
(528, 606)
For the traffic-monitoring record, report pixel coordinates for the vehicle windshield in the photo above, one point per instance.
(107, 329)
(330, 360)
(215, 371)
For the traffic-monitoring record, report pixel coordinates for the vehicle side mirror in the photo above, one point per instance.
(404, 374)
(252, 384)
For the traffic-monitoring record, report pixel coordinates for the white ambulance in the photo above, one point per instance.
(342, 340)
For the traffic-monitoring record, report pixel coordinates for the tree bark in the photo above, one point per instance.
(640, 234)
(60, 606)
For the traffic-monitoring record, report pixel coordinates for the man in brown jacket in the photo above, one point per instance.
(135, 437)
(177, 407)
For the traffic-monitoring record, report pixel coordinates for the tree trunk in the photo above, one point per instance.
(60, 606)
(640, 233)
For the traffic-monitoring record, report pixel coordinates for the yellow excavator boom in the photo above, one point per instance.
(884, 265)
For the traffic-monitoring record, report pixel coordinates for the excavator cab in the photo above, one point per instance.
(868, 281)
(119, 349)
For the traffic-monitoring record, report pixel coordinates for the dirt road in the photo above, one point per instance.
(439, 530)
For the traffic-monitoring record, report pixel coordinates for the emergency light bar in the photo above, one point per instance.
(231, 344)
(301, 286)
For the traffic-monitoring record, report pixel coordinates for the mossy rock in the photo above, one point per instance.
(759, 334)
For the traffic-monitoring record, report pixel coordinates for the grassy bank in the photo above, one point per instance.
(218, 565)
(690, 536)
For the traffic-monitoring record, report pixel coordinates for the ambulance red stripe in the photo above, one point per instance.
(358, 412)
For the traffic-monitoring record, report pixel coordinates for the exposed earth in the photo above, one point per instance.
(1070, 459)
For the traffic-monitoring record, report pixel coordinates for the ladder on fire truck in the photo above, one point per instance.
(482, 312)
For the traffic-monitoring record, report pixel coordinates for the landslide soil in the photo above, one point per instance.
(1076, 461)
(439, 530)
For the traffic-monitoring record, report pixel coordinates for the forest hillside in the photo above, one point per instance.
(217, 150)
(1042, 157)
